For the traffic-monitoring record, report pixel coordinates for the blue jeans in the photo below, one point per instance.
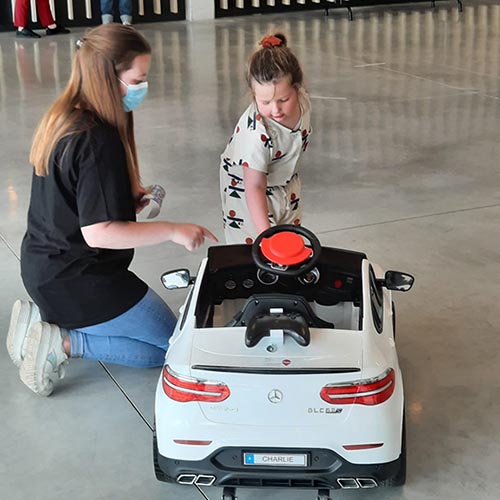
(138, 337)
(124, 7)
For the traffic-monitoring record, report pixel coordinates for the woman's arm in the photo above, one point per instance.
(255, 193)
(127, 234)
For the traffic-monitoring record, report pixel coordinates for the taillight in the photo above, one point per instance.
(185, 389)
(357, 447)
(191, 442)
(362, 392)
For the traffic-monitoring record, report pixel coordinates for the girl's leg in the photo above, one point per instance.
(234, 236)
(291, 209)
(139, 337)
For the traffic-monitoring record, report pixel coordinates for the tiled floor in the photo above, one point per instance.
(403, 165)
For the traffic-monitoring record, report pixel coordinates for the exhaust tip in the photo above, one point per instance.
(347, 483)
(366, 482)
(186, 478)
(204, 480)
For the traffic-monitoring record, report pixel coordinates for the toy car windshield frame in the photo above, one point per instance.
(339, 280)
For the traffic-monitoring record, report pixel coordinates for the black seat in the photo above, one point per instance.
(264, 312)
(261, 304)
(292, 324)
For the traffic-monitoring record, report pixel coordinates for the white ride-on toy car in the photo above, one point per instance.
(282, 371)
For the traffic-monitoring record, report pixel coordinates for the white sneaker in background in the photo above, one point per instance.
(44, 358)
(24, 315)
(126, 20)
(107, 18)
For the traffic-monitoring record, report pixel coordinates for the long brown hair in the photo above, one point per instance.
(104, 52)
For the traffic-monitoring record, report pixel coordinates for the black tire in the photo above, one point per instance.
(160, 475)
(229, 493)
(399, 479)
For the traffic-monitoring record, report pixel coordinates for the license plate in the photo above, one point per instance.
(275, 459)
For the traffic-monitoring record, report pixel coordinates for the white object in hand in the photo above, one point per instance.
(155, 194)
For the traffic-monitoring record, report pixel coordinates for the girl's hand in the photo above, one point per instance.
(191, 236)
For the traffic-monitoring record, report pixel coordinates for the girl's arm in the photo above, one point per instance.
(127, 234)
(255, 193)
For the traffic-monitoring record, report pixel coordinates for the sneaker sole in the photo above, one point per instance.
(37, 350)
(23, 313)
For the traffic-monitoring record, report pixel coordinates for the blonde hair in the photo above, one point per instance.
(104, 52)
(273, 61)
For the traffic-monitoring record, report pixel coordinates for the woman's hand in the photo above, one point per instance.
(191, 236)
(128, 234)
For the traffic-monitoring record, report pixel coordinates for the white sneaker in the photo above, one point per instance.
(107, 18)
(43, 362)
(126, 20)
(24, 315)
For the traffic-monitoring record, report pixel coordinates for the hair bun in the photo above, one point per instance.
(277, 40)
(282, 38)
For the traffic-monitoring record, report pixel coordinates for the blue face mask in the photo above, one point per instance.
(134, 96)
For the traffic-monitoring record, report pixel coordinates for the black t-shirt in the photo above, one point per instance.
(73, 284)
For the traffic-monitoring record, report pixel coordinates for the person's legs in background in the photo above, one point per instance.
(21, 11)
(46, 19)
(44, 13)
(107, 11)
(125, 7)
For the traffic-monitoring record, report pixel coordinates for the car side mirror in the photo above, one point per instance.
(401, 282)
(180, 278)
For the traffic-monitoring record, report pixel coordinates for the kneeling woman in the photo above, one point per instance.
(82, 225)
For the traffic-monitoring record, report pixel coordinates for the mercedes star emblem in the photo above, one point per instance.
(275, 396)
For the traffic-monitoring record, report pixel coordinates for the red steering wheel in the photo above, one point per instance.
(282, 251)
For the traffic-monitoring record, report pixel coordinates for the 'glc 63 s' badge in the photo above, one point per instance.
(324, 410)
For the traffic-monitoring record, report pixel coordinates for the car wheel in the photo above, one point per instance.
(399, 479)
(228, 493)
(323, 495)
(160, 475)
